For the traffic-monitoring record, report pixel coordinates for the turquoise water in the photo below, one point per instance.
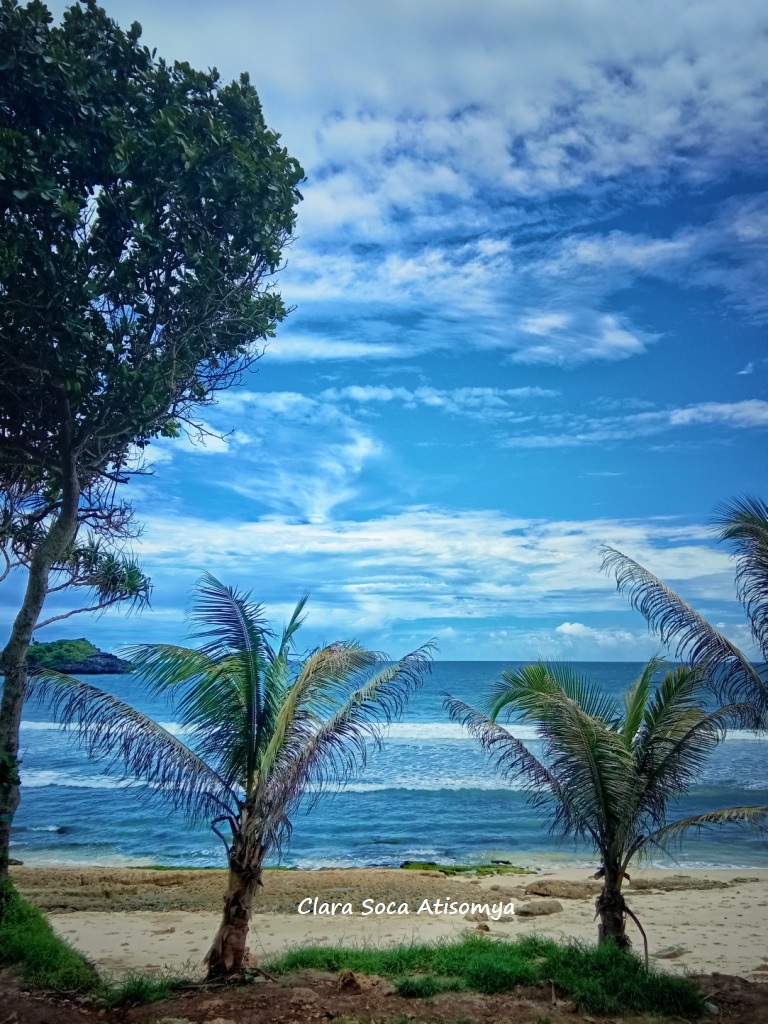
(429, 794)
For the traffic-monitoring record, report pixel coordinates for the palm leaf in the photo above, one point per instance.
(522, 690)
(133, 745)
(729, 672)
(581, 747)
(513, 760)
(745, 521)
(744, 817)
(635, 701)
(206, 699)
(672, 762)
(324, 754)
(318, 680)
(236, 631)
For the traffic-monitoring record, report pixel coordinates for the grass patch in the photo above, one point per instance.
(28, 941)
(422, 986)
(481, 870)
(138, 989)
(46, 961)
(602, 979)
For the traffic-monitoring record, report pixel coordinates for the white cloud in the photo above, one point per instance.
(750, 414)
(288, 349)
(564, 342)
(477, 402)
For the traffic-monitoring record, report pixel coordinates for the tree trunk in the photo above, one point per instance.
(13, 658)
(228, 954)
(611, 910)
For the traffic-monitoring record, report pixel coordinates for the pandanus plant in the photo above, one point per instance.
(261, 729)
(608, 772)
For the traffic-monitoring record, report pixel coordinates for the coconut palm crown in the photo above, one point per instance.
(608, 770)
(728, 672)
(261, 728)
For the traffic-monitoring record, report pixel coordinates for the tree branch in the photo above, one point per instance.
(78, 611)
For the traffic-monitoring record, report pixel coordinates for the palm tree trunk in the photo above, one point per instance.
(611, 909)
(229, 954)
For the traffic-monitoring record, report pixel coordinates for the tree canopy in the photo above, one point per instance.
(145, 209)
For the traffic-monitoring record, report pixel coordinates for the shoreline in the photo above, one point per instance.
(697, 921)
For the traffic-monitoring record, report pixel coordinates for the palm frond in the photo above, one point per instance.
(729, 673)
(513, 760)
(323, 755)
(522, 691)
(317, 683)
(672, 761)
(636, 699)
(206, 698)
(294, 623)
(235, 630)
(744, 817)
(745, 521)
(581, 745)
(133, 745)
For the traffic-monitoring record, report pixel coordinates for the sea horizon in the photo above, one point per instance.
(429, 794)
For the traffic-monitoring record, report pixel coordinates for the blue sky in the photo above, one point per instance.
(529, 282)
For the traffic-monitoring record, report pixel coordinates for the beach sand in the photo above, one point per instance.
(127, 918)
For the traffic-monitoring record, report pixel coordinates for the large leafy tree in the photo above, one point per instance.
(726, 669)
(144, 210)
(608, 772)
(262, 727)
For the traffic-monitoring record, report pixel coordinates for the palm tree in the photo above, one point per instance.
(729, 673)
(262, 730)
(608, 772)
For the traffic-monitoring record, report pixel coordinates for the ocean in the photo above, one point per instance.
(429, 794)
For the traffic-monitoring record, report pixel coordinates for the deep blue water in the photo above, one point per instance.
(430, 794)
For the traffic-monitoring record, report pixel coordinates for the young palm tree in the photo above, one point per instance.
(608, 773)
(728, 671)
(262, 729)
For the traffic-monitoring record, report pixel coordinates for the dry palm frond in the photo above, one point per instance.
(729, 672)
(745, 521)
(134, 746)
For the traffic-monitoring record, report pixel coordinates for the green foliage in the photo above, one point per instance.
(27, 940)
(46, 655)
(424, 986)
(138, 989)
(481, 870)
(602, 979)
(146, 205)
(262, 727)
(608, 771)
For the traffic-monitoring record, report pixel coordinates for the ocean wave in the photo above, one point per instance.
(50, 777)
(418, 731)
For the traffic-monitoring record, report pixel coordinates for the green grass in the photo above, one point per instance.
(481, 870)
(138, 989)
(600, 979)
(422, 986)
(28, 942)
(46, 961)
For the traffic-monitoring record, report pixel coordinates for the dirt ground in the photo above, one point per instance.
(314, 996)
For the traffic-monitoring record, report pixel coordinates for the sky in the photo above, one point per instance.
(529, 291)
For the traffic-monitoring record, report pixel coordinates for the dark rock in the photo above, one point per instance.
(97, 664)
(537, 908)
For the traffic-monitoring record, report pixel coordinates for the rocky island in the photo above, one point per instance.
(75, 656)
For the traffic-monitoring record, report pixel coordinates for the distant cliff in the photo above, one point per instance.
(75, 656)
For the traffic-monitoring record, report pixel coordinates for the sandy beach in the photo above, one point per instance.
(127, 918)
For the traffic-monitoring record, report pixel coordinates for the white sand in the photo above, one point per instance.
(723, 929)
